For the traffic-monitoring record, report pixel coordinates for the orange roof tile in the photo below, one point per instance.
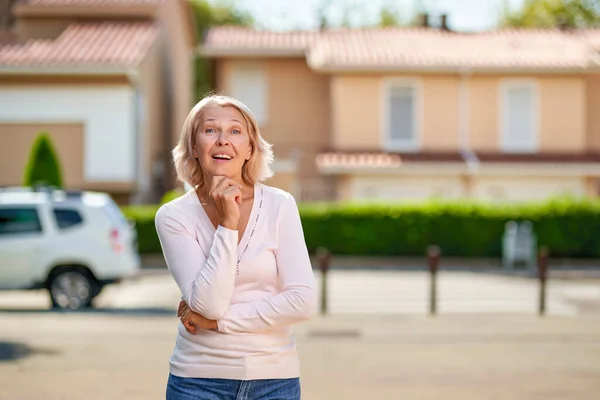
(380, 159)
(398, 48)
(89, 44)
(228, 38)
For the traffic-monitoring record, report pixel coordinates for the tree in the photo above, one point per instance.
(42, 167)
(389, 17)
(207, 16)
(354, 15)
(553, 13)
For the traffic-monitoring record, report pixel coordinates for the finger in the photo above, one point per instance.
(181, 308)
(232, 193)
(219, 183)
(190, 328)
(225, 184)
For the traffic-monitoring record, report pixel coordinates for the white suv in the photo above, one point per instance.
(71, 243)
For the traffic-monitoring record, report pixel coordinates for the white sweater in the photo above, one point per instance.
(254, 302)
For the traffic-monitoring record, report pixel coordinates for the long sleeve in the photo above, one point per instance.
(206, 283)
(296, 301)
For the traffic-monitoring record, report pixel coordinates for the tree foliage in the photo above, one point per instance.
(43, 167)
(553, 13)
(208, 15)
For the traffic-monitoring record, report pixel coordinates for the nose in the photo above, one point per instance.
(222, 139)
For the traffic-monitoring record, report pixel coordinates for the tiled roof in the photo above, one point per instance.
(83, 45)
(228, 38)
(374, 159)
(397, 48)
(60, 3)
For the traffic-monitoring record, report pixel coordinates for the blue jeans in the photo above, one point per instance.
(179, 388)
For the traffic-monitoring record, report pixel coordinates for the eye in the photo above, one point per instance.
(236, 132)
(209, 130)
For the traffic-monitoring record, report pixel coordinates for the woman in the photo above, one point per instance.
(236, 249)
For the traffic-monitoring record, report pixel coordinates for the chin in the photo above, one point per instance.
(228, 172)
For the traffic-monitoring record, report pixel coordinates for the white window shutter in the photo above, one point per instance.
(519, 118)
(401, 107)
(249, 85)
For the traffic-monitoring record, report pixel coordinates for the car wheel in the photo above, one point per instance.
(71, 290)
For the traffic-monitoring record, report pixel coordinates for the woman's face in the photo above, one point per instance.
(222, 143)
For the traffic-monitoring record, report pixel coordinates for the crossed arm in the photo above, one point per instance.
(207, 283)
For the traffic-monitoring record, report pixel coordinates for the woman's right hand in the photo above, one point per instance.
(192, 321)
(226, 195)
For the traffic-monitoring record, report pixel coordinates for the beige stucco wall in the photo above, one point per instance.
(592, 187)
(496, 188)
(283, 180)
(593, 112)
(440, 113)
(178, 53)
(561, 105)
(153, 140)
(40, 28)
(356, 112)
(357, 103)
(483, 113)
(562, 114)
(298, 116)
(402, 188)
(527, 188)
(357, 109)
(16, 141)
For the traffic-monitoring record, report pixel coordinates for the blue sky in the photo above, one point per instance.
(464, 15)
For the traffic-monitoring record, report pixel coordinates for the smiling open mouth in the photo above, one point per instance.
(221, 157)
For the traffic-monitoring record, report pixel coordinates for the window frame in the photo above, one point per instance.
(57, 223)
(415, 143)
(262, 116)
(506, 145)
(38, 215)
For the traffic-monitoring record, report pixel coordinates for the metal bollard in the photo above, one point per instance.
(433, 257)
(543, 276)
(324, 259)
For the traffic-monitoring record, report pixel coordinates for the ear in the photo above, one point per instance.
(250, 149)
(194, 154)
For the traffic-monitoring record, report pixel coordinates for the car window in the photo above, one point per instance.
(19, 220)
(114, 213)
(67, 218)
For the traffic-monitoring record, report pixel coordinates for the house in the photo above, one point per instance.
(111, 81)
(420, 113)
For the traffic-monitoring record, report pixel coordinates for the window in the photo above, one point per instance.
(67, 218)
(401, 116)
(114, 213)
(519, 116)
(249, 85)
(19, 220)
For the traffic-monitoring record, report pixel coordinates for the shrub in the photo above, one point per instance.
(171, 195)
(42, 167)
(568, 228)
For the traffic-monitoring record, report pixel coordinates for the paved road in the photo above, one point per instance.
(123, 356)
(373, 292)
(377, 343)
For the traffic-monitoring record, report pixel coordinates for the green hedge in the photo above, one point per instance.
(568, 228)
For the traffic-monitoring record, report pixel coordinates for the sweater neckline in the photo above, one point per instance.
(252, 219)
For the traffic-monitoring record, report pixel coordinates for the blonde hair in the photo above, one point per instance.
(256, 169)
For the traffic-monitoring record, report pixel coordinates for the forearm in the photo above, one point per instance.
(211, 291)
(291, 306)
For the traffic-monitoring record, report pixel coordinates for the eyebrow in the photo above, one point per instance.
(214, 119)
